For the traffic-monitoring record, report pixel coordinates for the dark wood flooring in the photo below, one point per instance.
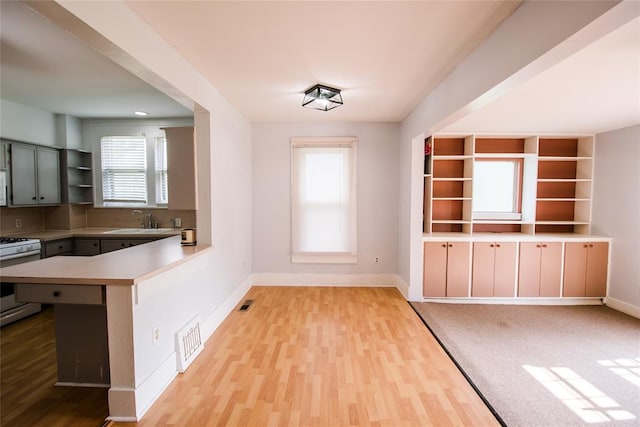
(28, 396)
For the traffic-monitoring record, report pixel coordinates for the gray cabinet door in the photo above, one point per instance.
(23, 175)
(48, 174)
(35, 175)
(4, 155)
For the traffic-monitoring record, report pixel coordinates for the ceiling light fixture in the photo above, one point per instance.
(140, 113)
(322, 97)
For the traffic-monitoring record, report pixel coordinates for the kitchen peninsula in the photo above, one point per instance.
(136, 292)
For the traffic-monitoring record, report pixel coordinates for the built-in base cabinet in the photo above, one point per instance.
(515, 269)
(585, 272)
(446, 269)
(540, 272)
(494, 269)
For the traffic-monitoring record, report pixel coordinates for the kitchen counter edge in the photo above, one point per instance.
(125, 267)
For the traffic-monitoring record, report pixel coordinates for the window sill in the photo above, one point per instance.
(497, 216)
(324, 258)
(130, 206)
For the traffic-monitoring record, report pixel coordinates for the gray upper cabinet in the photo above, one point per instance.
(35, 175)
(4, 155)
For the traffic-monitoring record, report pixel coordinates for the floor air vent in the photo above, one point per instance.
(246, 305)
(188, 344)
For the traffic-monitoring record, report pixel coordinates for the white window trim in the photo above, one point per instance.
(326, 257)
(497, 216)
(151, 173)
(516, 214)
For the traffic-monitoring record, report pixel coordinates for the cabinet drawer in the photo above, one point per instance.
(57, 247)
(86, 247)
(59, 294)
(110, 245)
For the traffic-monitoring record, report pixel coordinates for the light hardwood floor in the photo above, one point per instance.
(321, 357)
(298, 357)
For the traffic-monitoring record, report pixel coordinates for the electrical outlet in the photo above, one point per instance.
(155, 335)
(18, 223)
(377, 260)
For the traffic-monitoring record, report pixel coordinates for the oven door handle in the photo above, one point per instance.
(20, 255)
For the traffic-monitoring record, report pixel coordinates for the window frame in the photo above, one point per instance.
(150, 134)
(110, 144)
(516, 213)
(313, 257)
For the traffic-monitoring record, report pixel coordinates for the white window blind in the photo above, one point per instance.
(323, 200)
(124, 168)
(162, 188)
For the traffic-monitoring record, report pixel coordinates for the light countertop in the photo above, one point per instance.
(123, 267)
(120, 233)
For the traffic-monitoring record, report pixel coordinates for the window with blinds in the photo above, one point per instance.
(323, 200)
(124, 169)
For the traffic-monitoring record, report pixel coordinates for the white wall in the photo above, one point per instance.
(377, 196)
(69, 132)
(28, 124)
(616, 207)
(223, 135)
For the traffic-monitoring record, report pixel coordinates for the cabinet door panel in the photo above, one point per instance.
(435, 269)
(575, 269)
(550, 269)
(505, 269)
(23, 175)
(483, 269)
(596, 276)
(529, 275)
(458, 265)
(48, 176)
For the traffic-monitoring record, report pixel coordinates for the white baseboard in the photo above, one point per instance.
(401, 285)
(217, 316)
(622, 306)
(517, 301)
(154, 385)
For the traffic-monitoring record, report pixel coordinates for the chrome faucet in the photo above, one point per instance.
(145, 219)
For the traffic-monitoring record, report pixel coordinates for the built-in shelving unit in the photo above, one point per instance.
(563, 199)
(77, 178)
(451, 185)
(554, 190)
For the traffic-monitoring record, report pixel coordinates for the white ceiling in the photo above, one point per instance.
(44, 67)
(386, 56)
(595, 90)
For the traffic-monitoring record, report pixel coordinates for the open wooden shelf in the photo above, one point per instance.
(556, 186)
(449, 147)
(499, 146)
(77, 178)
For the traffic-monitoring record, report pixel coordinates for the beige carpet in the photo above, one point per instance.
(545, 365)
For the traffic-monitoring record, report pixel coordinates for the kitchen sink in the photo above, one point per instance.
(139, 230)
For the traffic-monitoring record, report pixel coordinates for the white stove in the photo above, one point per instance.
(16, 250)
(18, 247)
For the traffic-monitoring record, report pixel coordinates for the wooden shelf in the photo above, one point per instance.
(77, 177)
(555, 192)
(498, 146)
(449, 147)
